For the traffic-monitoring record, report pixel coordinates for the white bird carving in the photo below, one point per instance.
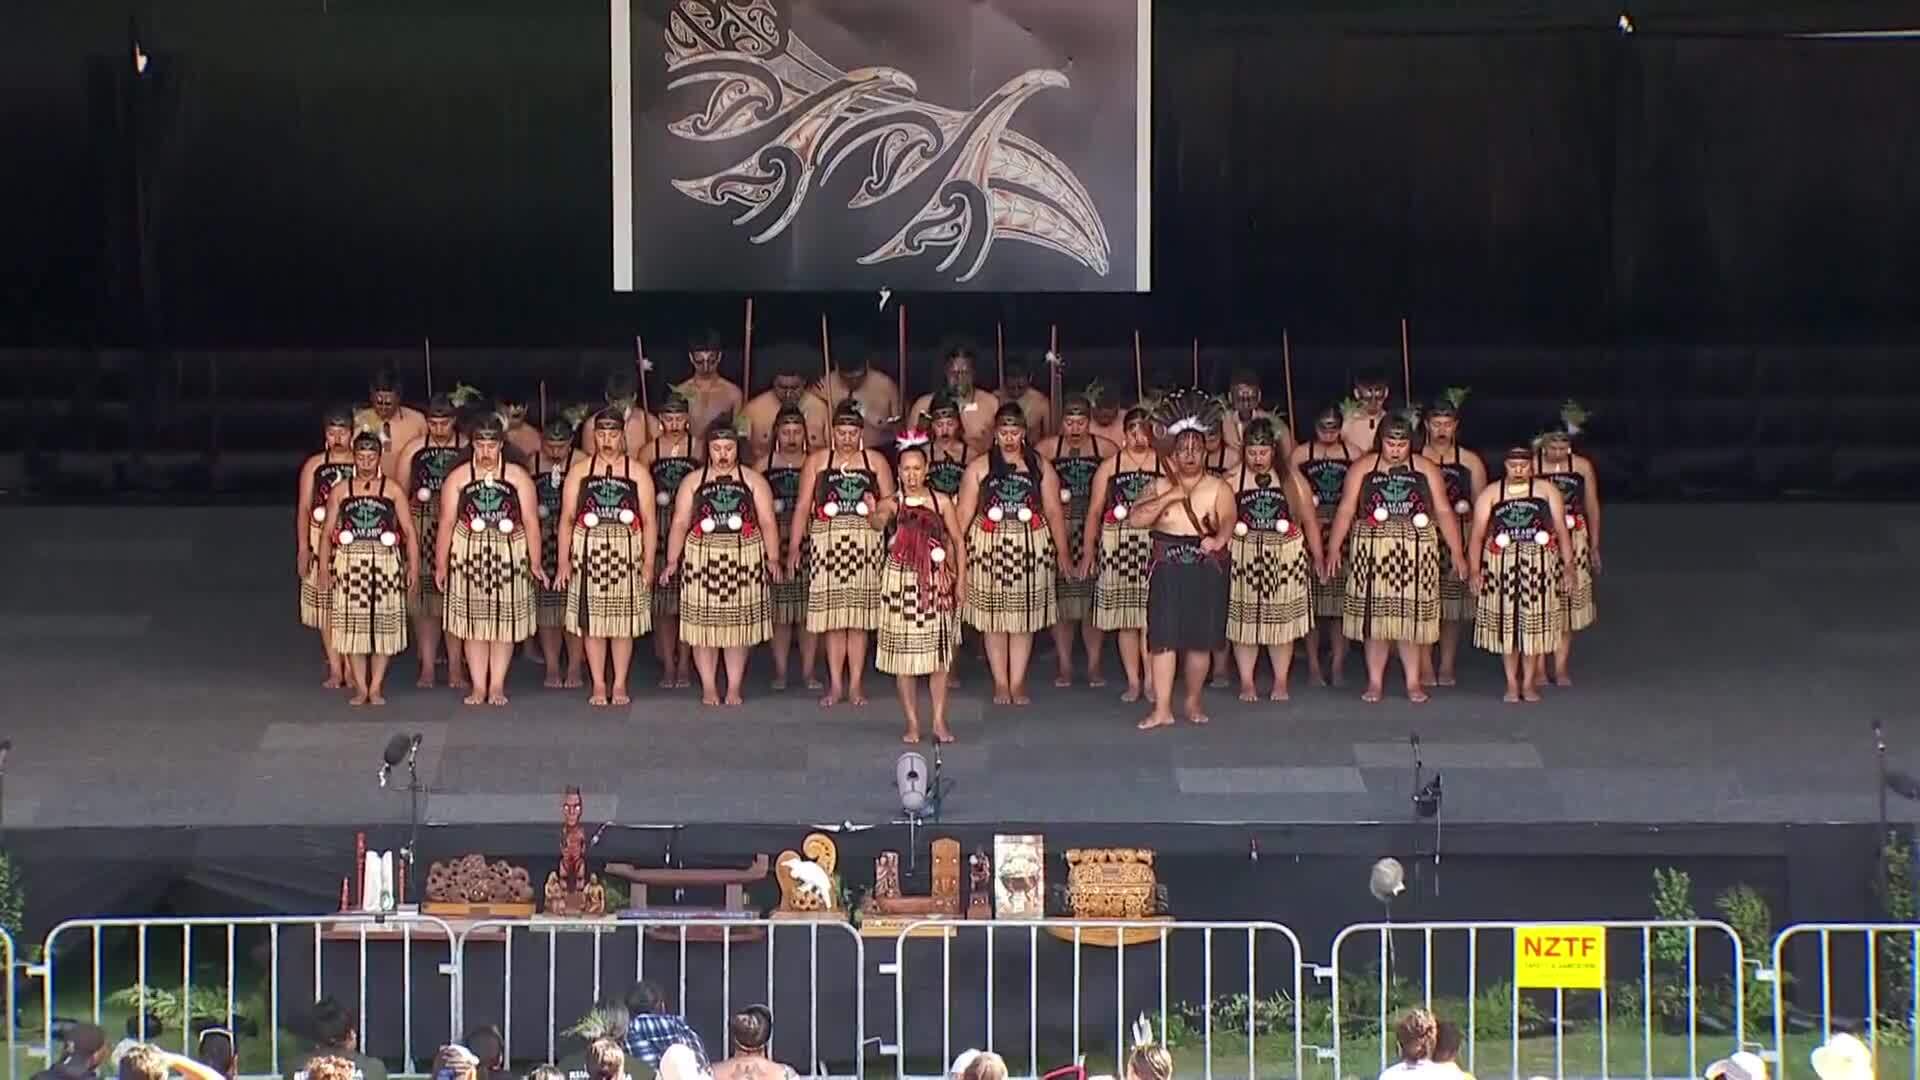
(810, 877)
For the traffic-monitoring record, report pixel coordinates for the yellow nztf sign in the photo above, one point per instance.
(1560, 957)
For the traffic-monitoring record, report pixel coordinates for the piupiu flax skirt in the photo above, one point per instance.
(1187, 596)
(1520, 607)
(1456, 601)
(916, 637)
(1580, 611)
(314, 604)
(1010, 577)
(666, 598)
(607, 597)
(1073, 597)
(725, 599)
(426, 526)
(1120, 591)
(369, 600)
(843, 574)
(550, 605)
(1330, 596)
(1393, 582)
(489, 585)
(1270, 601)
(790, 597)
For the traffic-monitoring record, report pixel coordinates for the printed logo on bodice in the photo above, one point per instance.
(1262, 509)
(1400, 493)
(609, 500)
(366, 517)
(327, 475)
(844, 491)
(1076, 475)
(784, 482)
(725, 506)
(1573, 494)
(485, 505)
(1013, 495)
(431, 464)
(945, 476)
(1132, 485)
(1519, 521)
(667, 474)
(1186, 552)
(1458, 480)
(1326, 477)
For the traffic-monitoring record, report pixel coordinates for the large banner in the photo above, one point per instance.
(862, 144)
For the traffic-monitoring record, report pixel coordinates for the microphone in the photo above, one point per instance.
(399, 748)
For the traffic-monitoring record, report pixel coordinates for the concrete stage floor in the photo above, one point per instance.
(154, 673)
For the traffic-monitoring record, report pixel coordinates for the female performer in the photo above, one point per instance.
(556, 458)
(1016, 534)
(333, 464)
(1275, 550)
(1122, 545)
(425, 463)
(614, 526)
(487, 559)
(1324, 462)
(370, 568)
(669, 458)
(1465, 475)
(948, 454)
(785, 462)
(1392, 502)
(1580, 490)
(838, 490)
(1519, 531)
(723, 527)
(922, 586)
(1076, 454)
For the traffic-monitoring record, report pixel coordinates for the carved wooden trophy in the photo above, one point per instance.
(570, 889)
(887, 912)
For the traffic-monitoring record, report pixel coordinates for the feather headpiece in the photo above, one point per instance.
(1188, 409)
(912, 439)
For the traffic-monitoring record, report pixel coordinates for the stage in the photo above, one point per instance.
(157, 675)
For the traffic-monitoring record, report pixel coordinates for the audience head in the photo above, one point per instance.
(453, 1062)
(1415, 1033)
(335, 1026)
(647, 997)
(1150, 1062)
(987, 1065)
(144, 1062)
(752, 1029)
(489, 1045)
(332, 1067)
(605, 1060)
(216, 1051)
(1447, 1041)
(84, 1045)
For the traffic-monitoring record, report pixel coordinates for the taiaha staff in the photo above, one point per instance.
(1139, 378)
(543, 408)
(903, 354)
(1286, 361)
(826, 364)
(429, 343)
(746, 355)
(640, 369)
(1053, 371)
(1196, 362)
(1406, 363)
(999, 355)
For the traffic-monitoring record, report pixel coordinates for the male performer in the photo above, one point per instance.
(622, 394)
(1018, 388)
(789, 390)
(1243, 397)
(424, 464)
(1107, 413)
(1192, 513)
(709, 394)
(977, 406)
(878, 395)
(1363, 424)
(400, 424)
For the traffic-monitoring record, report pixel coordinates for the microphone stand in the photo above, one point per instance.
(1880, 762)
(928, 814)
(414, 791)
(1413, 809)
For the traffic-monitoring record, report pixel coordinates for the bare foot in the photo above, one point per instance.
(1563, 679)
(1132, 695)
(620, 698)
(666, 682)
(1096, 680)
(1220, 682)
(456, 681)
(1063, 680)
(1248, 693)
(813, 683)
(1020, 696)
(1197, 717)
(709, 699)
(1279, 693)
(682, 682)
(1417, 694)
(1154, 720)
(425, 681)
(831, 698)
(552, 681)
(1000, 695)
(376, 699)
(599, 698)
(1370, 695)
(942, 735)
(477, 697)
(857, 697)
(496, 699)
(1511, 697)
(1445, 679)
(573, 681)
(779, 682)
(1530, 694)
(333, 683)
(911, 738)
(358, 699)
(734, 698)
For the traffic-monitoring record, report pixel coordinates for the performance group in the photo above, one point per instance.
(1190, 526)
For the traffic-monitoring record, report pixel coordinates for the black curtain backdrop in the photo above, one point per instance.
(346, 172)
